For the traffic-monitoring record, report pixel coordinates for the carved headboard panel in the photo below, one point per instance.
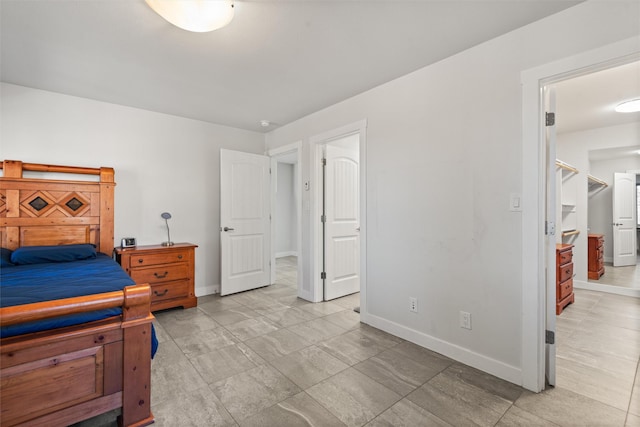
(36, 211)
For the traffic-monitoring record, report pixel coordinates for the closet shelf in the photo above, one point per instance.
(566, 166)
(570, 233)
(596, 181)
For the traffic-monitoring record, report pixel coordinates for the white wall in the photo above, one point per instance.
(443, 154)
(162, 163)
(600, 211)
(286, 236)
(573, 148)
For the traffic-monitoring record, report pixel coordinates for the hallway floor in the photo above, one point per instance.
(267, 358)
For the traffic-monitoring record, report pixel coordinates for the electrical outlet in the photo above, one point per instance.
(413, 304)
(465, 320)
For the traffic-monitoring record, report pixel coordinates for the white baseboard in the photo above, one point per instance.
(501, 370)
(284, 254)
(207, 290)
(610, 289)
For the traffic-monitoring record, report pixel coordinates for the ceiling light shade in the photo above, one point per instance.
(632, 106)
(199, 16)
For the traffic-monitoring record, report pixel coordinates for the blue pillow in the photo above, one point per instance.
(61, 253)
(5, 258)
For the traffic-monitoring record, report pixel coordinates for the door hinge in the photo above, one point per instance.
(323, 218)
(324, 162)
(549, 337)
(550, 119)
(323, 275)
(550, 228)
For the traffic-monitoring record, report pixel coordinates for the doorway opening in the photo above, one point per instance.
(600, 143)
(286, 214)
(340, 219)
(536, 226)
(538, 287)
(338, 224)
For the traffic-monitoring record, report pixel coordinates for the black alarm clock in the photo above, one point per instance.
(128, 242)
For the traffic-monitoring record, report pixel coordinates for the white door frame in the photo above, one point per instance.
(533, 193)
(296, 148)
(316, 144)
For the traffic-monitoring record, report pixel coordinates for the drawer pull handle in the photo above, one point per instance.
(140, 261)
(158, 294)
(161, 276)
(179, 256)
(567, 271)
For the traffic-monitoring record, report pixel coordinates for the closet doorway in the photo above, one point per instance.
(337, 221)
(601, 144)
(537, 225)
(341, 217)
(584, 121)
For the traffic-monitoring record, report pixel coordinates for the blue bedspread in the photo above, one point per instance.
(27, 284)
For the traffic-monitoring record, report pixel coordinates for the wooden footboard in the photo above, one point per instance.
(67, 375)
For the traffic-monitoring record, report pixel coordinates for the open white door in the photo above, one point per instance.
(550, 238)
(624, 219)
(342, 224)
(244, 221)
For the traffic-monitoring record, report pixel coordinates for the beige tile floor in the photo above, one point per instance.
(628, 276)
(267, 358)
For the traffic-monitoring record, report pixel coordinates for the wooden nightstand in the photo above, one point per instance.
(168, 269)
(596, 256)
(564, 276)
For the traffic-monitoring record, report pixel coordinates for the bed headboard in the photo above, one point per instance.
(40, 211)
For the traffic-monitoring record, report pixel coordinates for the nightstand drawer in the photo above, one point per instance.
(564, 289)
(169, 290)
(565, 272)
(140, 260)
(160, 273)
(565, 257)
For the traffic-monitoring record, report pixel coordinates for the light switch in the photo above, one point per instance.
(515, 202)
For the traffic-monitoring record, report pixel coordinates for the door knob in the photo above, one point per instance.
(228, 229)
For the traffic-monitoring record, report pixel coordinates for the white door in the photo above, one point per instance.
(624, 219)
(342, 223)
(550, 238)
(244, 221)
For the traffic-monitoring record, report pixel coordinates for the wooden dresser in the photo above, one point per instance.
(564, 276)
(596, 256)
(168, 269)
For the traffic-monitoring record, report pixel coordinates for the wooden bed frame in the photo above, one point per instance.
(66, 375)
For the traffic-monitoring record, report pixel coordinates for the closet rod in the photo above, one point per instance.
(566, 166)
(597, 180)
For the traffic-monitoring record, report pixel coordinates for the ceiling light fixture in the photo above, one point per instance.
(199, 16)
(632, 106)
(265, 123)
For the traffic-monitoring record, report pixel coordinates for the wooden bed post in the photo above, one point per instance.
(136, 391)
(107, 187)
(12, 169)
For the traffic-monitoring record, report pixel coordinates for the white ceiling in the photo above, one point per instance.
(588, 102)
(277, 60)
